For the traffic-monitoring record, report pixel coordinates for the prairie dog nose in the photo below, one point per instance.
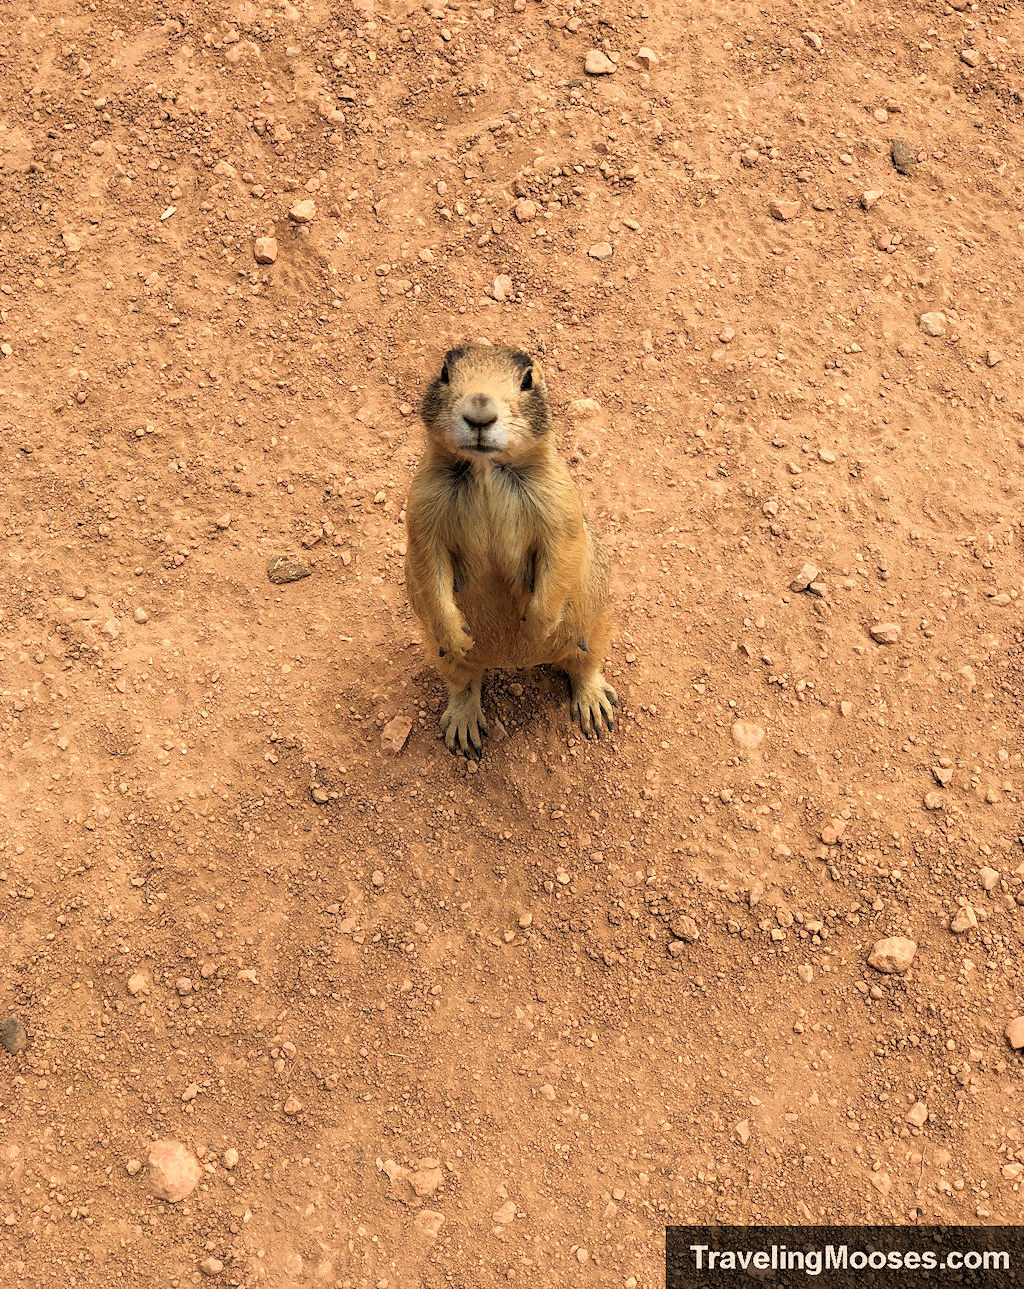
(479, 411)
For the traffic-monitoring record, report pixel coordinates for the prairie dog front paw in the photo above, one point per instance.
(454, 641)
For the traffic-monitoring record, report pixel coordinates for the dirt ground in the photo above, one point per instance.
(425, 1024)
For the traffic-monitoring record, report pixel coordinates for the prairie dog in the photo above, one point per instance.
(502, 569)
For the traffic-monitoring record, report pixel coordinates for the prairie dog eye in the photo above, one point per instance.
(527, 379)
(445, 379)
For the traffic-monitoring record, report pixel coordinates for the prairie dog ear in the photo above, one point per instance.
(448, 362)
(531, 374)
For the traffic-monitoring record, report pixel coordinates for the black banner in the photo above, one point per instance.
(834, 1257)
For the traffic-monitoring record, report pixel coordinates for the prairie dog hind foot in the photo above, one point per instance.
(592, 703)
(462, 722)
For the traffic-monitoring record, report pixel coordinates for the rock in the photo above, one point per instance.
(965, 919)
(742, 1131)
(647, 58)
(918, 1114)
(904, 158)
(933, 324)
(287, 568)
(525, 210)
(943, 775)
(892, 955)
(598, 63)
(933, 800)
(747, 734)
(211, 1266)
(882, 1183)
(885, 632)
(871, 198)
(230, 1157)
(427, 1177)
(320, 795)
(501, 287)
(807, 574)
(13, 1036)
(505, 1214)
(989, 878)
(601, 251)
(814, 40)
(686, 929)
(1015, 1033)
(970, 56)
(784, 209)
(832, 831)
(394, 734)
(183, 985)
(992, 357)
(139, 983)
(429, 1223)
(293, 1105)
(265, 250)
(174, 1172)
(132, 1167)
(303, 212)
(140, 616)
(805, 972)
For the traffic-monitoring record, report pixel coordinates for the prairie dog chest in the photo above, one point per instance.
(495, 524)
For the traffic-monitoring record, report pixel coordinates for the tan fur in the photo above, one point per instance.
(502, 569)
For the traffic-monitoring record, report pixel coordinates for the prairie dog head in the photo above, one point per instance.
(488, 402)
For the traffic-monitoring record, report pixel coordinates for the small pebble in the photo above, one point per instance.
(501, 287)
(132, 1166)
(647, 58)
(892, 955)
(211, 1266)
(174, 1172)
(747, 734)
(601, 251)
(802, 580)
(598, 63)
(320, 795)
(293, 1105)
(992, 357)
(871, 198)
(13, 1036)
(139, 983)
(970, 56)
(140, 616)
(265, 250)
(287, 568)
(784, 209)
(395, 733)
(525, 210)
(965, 920)
(303, 212)
(904, 158)
(918, 1114)
(230, 1157)
(885, 632)
(1015, 1033)
(989, 878)
(933, 324)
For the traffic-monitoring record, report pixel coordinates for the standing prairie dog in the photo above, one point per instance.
(502, 569)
